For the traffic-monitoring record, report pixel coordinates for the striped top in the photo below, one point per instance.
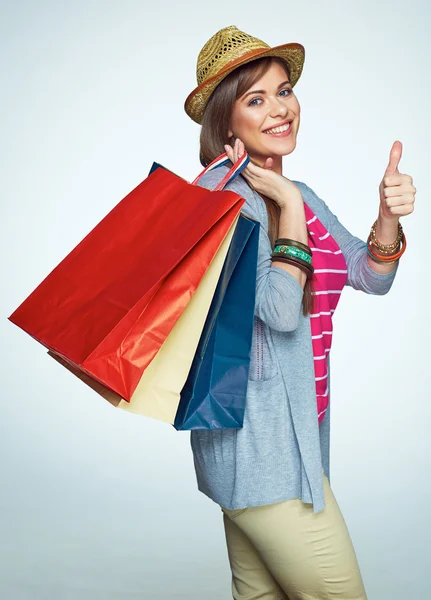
(329, 278)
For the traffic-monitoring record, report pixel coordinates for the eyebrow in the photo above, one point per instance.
(263, 91)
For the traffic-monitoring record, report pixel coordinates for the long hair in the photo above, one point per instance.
(214, 135)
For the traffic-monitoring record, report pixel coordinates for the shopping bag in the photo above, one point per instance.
(157, 394)
(214, 396)
(107, 308)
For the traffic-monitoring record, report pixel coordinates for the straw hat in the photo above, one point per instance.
(225, 51)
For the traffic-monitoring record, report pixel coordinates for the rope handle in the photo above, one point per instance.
(221, 160)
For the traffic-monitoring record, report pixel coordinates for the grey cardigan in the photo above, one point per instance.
(281, 451)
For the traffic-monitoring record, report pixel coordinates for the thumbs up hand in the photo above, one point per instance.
(397, 192)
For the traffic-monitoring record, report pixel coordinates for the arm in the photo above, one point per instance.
(292, 225)
(361, 276)
(278, 293)
(386, 233)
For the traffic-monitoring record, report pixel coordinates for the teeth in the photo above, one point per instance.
(278, 129)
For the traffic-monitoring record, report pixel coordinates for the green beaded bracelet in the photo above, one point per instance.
(289, 242)
(293, 251)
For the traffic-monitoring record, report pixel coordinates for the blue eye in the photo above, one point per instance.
(288, 93)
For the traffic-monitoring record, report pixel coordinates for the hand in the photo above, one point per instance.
(264, 180)
(397, 192)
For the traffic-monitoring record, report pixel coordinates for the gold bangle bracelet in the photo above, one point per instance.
(385, 252)
(386, 248)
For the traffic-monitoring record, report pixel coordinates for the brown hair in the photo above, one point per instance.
(214, 135)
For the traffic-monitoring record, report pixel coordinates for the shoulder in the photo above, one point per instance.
(308, 194)
(254, 204)
(313, 201)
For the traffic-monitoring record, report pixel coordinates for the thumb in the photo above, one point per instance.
(394, 158)
(268, 164)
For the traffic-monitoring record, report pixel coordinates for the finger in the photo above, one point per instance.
(236, 149)
(229, 152)
(256, 170)
(398, 190)
(269, 163)
(252, 170)
(240, 149)
(405, 209)
(394, 158)
(400, 200)
(398, 179)
(233, 152)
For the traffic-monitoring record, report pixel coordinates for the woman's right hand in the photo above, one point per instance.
(264, 180)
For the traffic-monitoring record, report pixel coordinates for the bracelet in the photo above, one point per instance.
(386, 248)
(300, 261)
(385, 258)
(383, 262)
(308, 269)
(293, 251)
(293, 262)
(288, 242)
(387, 253)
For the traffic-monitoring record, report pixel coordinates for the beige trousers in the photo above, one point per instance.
(285, 551)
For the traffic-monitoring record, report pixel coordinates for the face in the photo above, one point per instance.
(269, 103)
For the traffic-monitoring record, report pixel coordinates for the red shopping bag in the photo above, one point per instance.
(107, 308)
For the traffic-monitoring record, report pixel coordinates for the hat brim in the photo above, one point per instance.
(293, 53)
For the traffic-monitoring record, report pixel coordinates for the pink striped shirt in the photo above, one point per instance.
(329, 278)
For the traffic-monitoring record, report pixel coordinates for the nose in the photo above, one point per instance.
(278, 107)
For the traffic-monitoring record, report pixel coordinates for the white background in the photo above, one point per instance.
(97, 503)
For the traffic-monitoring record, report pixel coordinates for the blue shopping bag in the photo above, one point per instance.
(214, 395)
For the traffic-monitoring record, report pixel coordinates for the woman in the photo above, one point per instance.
(285, 534)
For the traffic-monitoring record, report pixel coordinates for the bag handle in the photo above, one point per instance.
(221, 160)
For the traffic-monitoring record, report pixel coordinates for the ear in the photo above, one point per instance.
(230, 133)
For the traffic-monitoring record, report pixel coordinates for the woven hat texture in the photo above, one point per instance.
(225, 51)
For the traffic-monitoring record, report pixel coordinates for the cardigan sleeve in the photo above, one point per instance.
(278, 293)
(360, 275)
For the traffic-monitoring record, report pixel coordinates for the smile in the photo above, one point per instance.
(280, 131)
